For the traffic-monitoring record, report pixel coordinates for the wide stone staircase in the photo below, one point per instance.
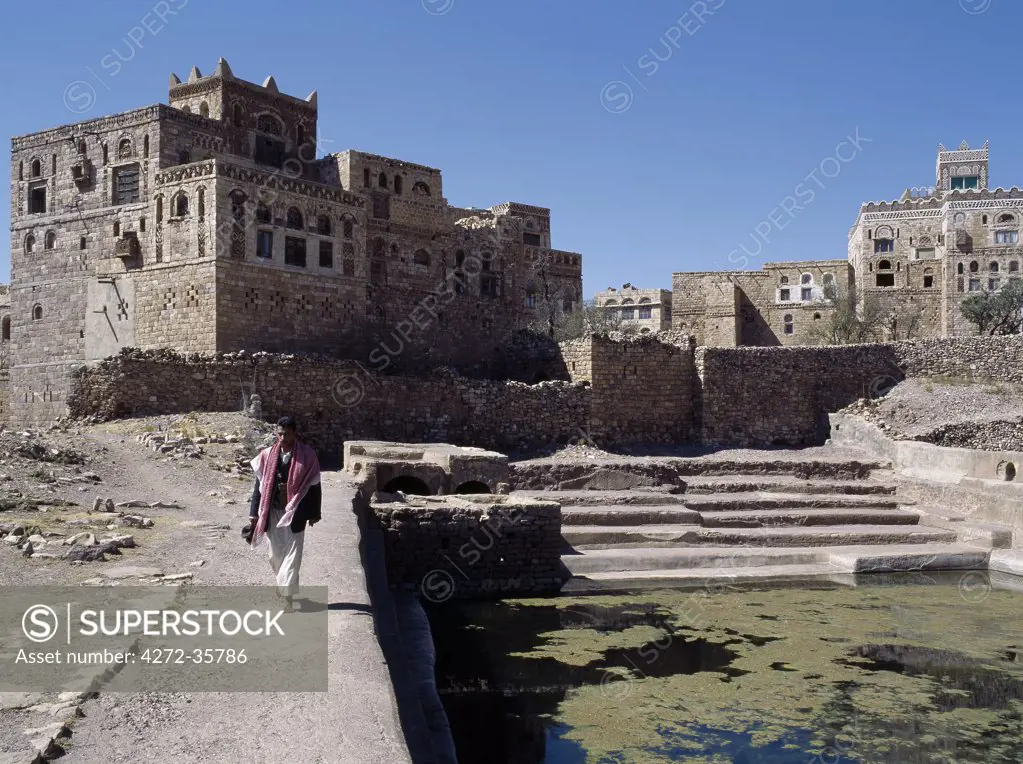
(755, 520)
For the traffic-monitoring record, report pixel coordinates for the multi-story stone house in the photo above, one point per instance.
(916, 259)
(210, 224)
(645, 310)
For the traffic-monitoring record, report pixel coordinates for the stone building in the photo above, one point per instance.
(916, 258)
(648, 310)
(210, 224)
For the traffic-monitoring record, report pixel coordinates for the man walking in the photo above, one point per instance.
(287, 496)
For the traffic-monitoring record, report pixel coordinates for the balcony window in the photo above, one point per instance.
(1006, 237)
(884, 245)
(126, 185)
(37, 200)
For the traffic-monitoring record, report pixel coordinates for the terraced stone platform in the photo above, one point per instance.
(775, 517)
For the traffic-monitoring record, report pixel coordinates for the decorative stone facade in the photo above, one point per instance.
(648, 310)
(209, 224)
(918, 258)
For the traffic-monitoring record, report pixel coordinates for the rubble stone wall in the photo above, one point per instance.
(335, 401)
(448, 547)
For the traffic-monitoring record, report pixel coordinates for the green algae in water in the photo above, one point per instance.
(907, 673)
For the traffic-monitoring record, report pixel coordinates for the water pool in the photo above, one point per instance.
(900, 669)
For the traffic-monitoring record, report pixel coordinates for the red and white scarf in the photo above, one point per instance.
(303, 472)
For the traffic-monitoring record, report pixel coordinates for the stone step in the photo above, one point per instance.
(585, 498)
(629, 514)
(699, 484)
(803, 517)
(711, 562)
(603, 536)
(714, 502)
(993, 535)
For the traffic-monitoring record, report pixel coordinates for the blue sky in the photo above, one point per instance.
(660, 134)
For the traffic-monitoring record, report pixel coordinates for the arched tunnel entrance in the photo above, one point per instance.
(473, 486)
(408, 485)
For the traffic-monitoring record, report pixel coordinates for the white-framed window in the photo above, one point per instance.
(1006, 237)
(783, 295)
(806, 293)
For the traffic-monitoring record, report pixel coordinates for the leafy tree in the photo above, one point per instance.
(998, 312)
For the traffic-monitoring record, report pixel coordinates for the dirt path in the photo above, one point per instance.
(356, 721)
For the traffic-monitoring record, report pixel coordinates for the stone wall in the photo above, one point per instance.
(335, 401)
(765, 396)
(444, 547)
(642, 391)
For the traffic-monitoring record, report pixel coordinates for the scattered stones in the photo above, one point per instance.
(135, 521)
(197, 564)
(10, 701)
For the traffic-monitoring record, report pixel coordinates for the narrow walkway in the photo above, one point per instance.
(356, 722)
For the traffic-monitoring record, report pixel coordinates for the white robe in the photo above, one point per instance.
(284, 547)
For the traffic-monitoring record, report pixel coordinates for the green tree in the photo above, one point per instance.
(998, 312)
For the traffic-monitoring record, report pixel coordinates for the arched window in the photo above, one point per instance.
(36, 168)
(30, 243)
(627, 301)
(816, 316)
(37, 312)
(124, 149)
(959, 269)
(5, 329)
(983, 219)
(829, 279)
(1006, 218)
(806, 278)
(142, 225)
(106, 157)
(268, 124)
(262, 213)
(50, 241)
(348, 228)
(237, 115)
(421, 257)
(204, 110)
(81, 146)
(323, 225)
(784, 280)
(382, 180)
(974, 267)
(612, 301)
(181, 205)
(186, 109)
(117, 228)
(420, 189)
(644, 300)
(365, 177)
(884, 265)
(184, 156)
(202, 202)
(1013, 266)
(145, 145)
(993, 267)
(787, 320)
(294, 218)
(159, 209)
(397, 184)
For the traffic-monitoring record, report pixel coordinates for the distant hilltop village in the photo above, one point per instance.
(916, 259)
(209, 225)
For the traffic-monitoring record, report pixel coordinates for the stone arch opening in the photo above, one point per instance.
(408, 485)
(1006, 471)
(473, 486)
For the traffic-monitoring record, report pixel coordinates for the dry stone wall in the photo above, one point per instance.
(452, 547)
(335, 401)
